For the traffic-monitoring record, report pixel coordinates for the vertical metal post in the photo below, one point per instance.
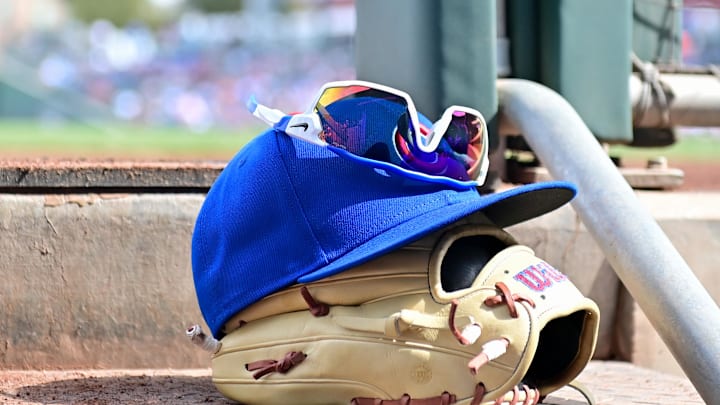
(397, 44)
(468, 70)
(441, 52)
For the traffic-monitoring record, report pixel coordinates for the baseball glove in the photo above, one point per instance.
(464, 317)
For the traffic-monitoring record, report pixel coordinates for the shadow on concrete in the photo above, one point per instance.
(140, 389)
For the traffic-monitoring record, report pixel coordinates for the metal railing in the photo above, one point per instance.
(675, 302)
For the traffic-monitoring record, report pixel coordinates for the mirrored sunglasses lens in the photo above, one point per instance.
(466, 138)
(362, 120)
(458, 155)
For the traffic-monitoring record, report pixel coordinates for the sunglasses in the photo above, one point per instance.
(379, 126)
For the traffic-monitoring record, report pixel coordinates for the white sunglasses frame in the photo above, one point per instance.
(307, 126)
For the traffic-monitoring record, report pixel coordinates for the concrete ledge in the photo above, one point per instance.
(95, 281)
(89, 176)
(104, 280)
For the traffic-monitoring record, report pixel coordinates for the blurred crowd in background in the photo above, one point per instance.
(701, 36)
(196, 70)
(195, 63)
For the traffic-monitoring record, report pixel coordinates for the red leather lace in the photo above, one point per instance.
(444, 399)
(532, 397)
(317, 308)
(284, 365)
(479, 395)
(451, 323)
(507, 298)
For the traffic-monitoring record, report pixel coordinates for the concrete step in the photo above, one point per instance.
(101, 279)
(53, 176)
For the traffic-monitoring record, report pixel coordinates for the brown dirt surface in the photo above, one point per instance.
(699, 176)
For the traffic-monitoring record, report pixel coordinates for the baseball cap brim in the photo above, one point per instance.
(504, 209)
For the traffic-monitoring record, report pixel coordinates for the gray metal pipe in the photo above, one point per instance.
(692, 100)
(676, 303)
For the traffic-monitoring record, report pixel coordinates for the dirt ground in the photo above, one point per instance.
(699, 176)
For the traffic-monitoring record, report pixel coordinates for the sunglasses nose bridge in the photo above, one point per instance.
(440, 128)
(435, 134)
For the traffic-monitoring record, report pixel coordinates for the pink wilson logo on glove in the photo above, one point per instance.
(540, 276)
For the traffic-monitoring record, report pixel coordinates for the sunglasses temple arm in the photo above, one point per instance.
(303, 126)
(268, 115)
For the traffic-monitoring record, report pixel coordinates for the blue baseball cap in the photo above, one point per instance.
(284, 211)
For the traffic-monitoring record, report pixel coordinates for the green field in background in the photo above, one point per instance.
(31, 140)
(20, 139)
(695, 148)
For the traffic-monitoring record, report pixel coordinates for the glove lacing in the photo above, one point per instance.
(493, 348)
